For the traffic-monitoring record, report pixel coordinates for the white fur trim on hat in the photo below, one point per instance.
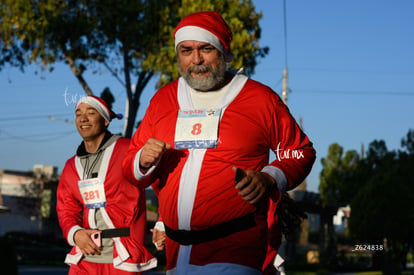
(97, 105)
(198, 34)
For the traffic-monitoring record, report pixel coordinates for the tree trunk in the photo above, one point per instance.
(78, 74)
(134, 101)
(132, 115)
(391, 261)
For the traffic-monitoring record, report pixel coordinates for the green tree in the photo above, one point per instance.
(380, 191)
(337, 185)
(130, 38)
(338, 178)
(407, 143)
(382, 210)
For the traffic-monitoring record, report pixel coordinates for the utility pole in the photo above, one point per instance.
(285, 71)
(285, 86)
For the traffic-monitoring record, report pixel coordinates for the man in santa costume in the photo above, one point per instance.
(205, 141)
(101, 214)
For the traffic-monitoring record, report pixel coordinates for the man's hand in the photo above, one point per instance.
(158, 238)
(254, 185)
(83, 240)
(152, 151)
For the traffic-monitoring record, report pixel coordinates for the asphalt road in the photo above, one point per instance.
(53, 270)
(46, 270)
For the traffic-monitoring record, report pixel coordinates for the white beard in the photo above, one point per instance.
(205, 83)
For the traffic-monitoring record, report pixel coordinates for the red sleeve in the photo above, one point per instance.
(140, 137)
(69, 208)
(146, 130)
(294, 151)
(129, 161)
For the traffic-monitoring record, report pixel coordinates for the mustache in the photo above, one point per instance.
(200, 69)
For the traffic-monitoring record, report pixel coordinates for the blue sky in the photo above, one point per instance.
(351, 80)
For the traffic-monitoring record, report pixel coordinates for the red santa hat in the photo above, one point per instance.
(100, 105)
(205, 26)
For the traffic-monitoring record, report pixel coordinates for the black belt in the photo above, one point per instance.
(115, 232)
(187, 237)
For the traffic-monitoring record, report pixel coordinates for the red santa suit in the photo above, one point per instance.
(274, 236)
(196, 186)
(125, 207)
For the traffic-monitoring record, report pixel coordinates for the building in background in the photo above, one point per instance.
(28, 200)
(340, 220)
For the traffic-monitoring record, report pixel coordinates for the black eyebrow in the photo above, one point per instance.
(88, 108)
(199, 47)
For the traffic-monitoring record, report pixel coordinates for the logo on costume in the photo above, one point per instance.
(193, 113)
(288, 154)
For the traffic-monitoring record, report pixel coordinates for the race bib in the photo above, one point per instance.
(93, 193)
(197, 129)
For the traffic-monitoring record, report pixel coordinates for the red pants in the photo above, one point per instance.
(88, 268)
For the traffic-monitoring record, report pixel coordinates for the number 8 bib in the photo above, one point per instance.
(197, 129)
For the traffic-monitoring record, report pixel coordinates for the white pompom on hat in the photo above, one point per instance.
(100, 105)
(205, 26)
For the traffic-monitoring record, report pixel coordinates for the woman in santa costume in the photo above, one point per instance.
(205, 140)
(102, 215)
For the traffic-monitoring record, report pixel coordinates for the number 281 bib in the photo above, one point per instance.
(93, 193)
(197, 129)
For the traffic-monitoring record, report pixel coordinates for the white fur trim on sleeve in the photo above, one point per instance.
(137, 172)
(71, 234)
(279, 177)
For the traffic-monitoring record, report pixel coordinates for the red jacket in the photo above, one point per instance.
(254, 121)
(126, 207)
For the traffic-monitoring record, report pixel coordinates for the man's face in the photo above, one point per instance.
(89, 122)
(201, 64)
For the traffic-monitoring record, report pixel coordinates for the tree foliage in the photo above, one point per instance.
(383, 197)
(382, 211)
(130, 38)
(338, 176)
(380, 190)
